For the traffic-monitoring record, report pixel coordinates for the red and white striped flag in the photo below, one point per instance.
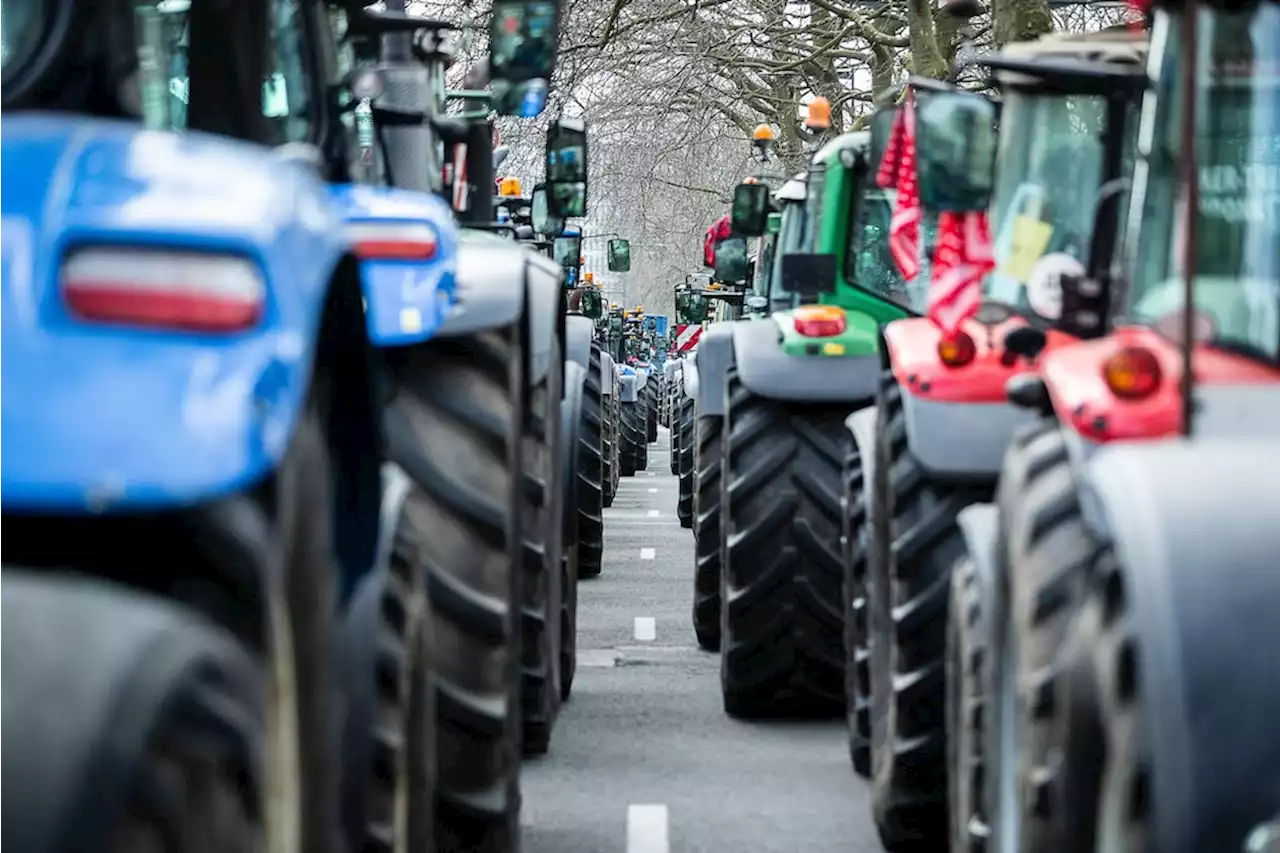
(898, 169)
(961, 258)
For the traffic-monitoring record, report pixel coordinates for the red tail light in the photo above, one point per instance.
(1132, 373)
(957, 350)
(173, 290)
(414, 241)
(820, 321)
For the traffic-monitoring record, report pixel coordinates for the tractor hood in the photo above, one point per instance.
(860, 337)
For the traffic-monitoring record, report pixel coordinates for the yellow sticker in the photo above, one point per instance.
(1030, 239)
(410, 320)
(832, 348)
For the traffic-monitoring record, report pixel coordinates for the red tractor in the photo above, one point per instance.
(1118, 607)
(933, 443)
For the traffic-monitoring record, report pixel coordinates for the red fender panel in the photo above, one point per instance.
(1081, 398)
(913, 356)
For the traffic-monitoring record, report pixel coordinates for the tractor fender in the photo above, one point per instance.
(715, 357)
(1237, 411)
(1195, 532)
(642, 378)
(670, 369)
(980, 526)
(543, 282)
(607, 374)
(578, 331)
(689, 374)
(405, 300)
(575, 378)
(490, 286)
(960, 440)
(862, 425)
(115, 417)
(395, 488)
(767, 371)
(627, 383)
(88, 667)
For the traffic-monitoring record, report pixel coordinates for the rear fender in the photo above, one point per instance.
(546, 320)
(642, 378)
(689, 376)
(980, 526)
(128, 419)
(628, 386)
(490, 287)
(715, 357)
(87, 669)
(405, 300)
(767, 371)
(1194, 529)
(607, 374)
(862, 425)
(960, 440)
(578, 331)
(1073, 375)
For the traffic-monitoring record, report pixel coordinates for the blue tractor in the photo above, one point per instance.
(253, 478)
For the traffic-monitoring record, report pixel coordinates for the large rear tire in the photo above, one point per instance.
(685, 471)
(705, 497)
(782, 623)
(915, 544)
(631, 426)
(651, 410)
(857, 653)
(460, 399)
(967, 651)
(1048, 556)
(390, 722)
(593, 475)
(542, 522)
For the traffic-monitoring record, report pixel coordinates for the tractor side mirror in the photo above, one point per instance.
(956, 151)
(544, 222)
(567, 168)
(619, 256)
(592, 304)
(731, 259)
(523, 35)
(750, 213)
(568, 251)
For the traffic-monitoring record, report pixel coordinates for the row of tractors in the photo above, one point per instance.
(988, 467)
(274, 345)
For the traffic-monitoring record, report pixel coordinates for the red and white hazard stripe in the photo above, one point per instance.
(687, 335)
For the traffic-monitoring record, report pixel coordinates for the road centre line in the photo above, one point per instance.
(647, 829)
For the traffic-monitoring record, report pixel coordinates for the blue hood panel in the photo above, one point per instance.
(405, 301)
(98, 416)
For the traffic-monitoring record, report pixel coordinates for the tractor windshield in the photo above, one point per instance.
(869, 258)
(1237, 263)
(1051, 152)
(790, 239)
(164, 34)
(21, 28)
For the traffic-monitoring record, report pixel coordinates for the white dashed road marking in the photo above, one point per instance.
(646, 629)
(648, 553)
(647, 829)
(653, 513)
(653, 491)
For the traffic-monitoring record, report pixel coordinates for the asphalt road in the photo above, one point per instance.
(644, 759)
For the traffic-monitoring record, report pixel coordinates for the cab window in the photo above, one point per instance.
(164, 33)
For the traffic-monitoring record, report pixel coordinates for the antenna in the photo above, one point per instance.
(1190, 204)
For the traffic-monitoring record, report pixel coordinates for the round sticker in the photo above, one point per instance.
(1044, 285)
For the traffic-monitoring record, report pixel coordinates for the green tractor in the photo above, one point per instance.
(772, 400)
